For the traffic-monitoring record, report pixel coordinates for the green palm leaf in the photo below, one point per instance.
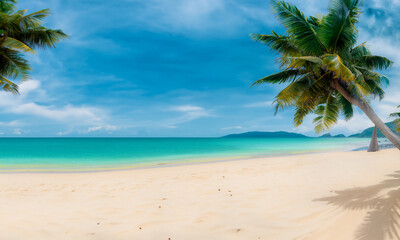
(334, 63)
(298, 26)
(41, 37)
(346, 107)
(282, 44)
(7, 6)
(13, 64)
(380, 79)
(302, 62)
(397, 120)
(15, 44)
(360, 51)
(285, 76)
(21, 33)
(338, 29)
(374, 62)
(8, 86)
(328, 114)
(289, 95)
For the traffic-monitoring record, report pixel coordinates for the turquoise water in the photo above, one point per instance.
(63, 154)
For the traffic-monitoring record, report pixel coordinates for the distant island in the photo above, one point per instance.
(280, 134)
(367, 133)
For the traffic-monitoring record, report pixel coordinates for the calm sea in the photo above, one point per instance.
(76, 154)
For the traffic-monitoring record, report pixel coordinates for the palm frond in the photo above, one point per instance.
(338, 29)
(7, 6)
(8, 86)
(15, 44)
(397, 120)
(13, 64)
(299, 115)
(346, 107)
(309, 98)
(375, 89)
(328, 113)
(380, 79)
(282, 44)
(20, 34)
(287, 75)
(360, 51)
(289, 95)
(374, 62)
(30, 21)
(299, 62)
(334, 63)
(298, 26)
(314, 21)
(41, 37)
(359, 85)
(39, 15)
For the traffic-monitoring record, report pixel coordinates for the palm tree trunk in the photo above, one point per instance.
(374, 144)
(366, 108)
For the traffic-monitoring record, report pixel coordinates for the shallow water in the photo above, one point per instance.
(105, 153)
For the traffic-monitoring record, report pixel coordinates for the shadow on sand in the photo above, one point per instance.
(383, 204)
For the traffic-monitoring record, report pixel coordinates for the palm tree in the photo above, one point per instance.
(21, 33)
(326, 71)
(397, 121)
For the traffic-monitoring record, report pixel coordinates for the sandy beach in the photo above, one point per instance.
(293, 197)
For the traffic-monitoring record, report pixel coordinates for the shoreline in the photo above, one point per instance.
(172, 164)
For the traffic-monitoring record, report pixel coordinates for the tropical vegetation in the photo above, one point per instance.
(325, 70)
(397, 120)
(21, 33)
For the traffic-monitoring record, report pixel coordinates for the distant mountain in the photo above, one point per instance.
(367, 133)
(266, 135)
(328, 135)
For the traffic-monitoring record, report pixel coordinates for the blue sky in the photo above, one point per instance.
(159, 68)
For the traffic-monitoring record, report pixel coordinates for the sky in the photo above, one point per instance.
(172, 68)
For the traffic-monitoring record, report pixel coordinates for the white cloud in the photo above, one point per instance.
(384, 4)
(186, 108)
(355, 125)
(190, 113)
(259, 104)
(14, 123)
(63, 114)
(232, 128)
(70, 115)
(22, 105)
(105, 128)
(17, 131)
(64, 133)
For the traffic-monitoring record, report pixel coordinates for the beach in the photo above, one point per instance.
(288, 197)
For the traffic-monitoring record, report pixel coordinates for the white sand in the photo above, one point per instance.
(271, 198)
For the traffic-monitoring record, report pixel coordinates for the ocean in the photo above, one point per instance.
(94, 154)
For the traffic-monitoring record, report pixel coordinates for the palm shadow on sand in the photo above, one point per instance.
(382, 202)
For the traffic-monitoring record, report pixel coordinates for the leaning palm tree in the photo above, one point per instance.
(21, 33)
(326, 71)
(397, 120)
